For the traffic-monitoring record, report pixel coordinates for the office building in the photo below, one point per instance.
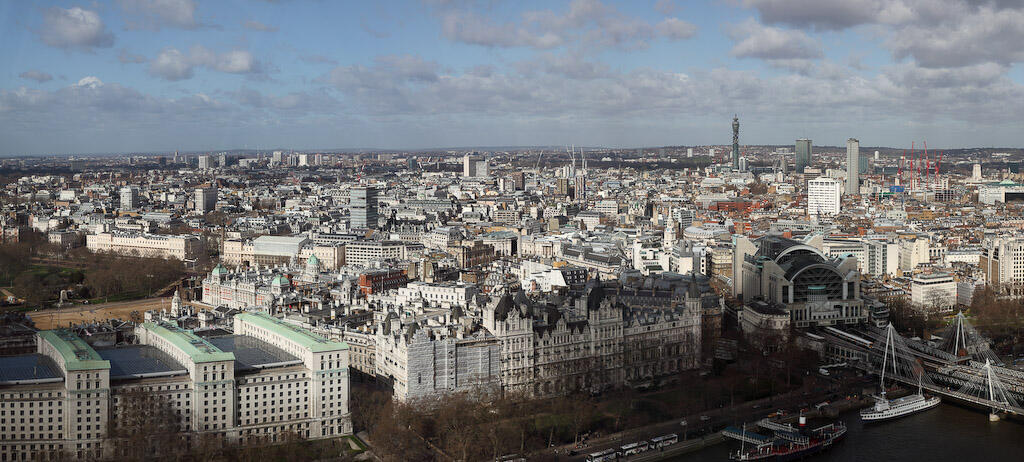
(262, 381)
(852, 166)
(363, 206)
(206, 199)
(204, 163)
(803, 154)
(824, 196)
(129, 197)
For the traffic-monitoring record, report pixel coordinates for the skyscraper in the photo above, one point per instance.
(206, 199)
(363, 205)
(824, 196)
(803, 154)
(735, 142)
(852, 166)
(129, 197)
(204, 163)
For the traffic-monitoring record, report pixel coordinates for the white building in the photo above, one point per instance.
(933, 291)
(266, 379)
(824, 196)
(206, 199)
(184, 247)
(445, 295)
(129, 197)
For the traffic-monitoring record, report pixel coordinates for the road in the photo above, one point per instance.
(717, 418)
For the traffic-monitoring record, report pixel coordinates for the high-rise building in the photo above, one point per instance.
(803, 154)
(743, 164)
(689, 152)
(206, 199)
(129, 197)
(363, 205)
(204, 163)
(277, 158)
(852, 166)
(976, 172)
(735, 142)
(824, 196)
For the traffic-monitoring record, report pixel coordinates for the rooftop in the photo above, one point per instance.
(140, 361)
(30, 368)
(295, 334)
(77, 354)
(198, 349)
(252, 353)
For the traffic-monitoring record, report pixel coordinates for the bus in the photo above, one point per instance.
(663, 441)
(633, 448)
(606, 455)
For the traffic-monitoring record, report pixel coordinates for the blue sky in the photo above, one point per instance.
(160, 75)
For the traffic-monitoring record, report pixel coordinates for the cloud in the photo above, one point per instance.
(934, 33)
(38, 76)
(587, 24)
(318, 59)
(172, 64)
(74, 28)
(675, 29)
(130, 58)
(372, 31)
(665, 7)
(754, 40)
(258, 26)
(156, 14)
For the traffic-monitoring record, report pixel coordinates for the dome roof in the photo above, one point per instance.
(313, 261)
(220, 269)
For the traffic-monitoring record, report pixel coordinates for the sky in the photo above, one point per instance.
(209, 75)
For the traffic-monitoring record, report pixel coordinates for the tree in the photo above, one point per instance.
(144, 425)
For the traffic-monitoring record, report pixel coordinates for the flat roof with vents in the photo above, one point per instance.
(77, 355)
(252, 353)
(28, 369)
(140, 361)
(296, 334)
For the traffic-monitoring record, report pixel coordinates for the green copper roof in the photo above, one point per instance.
(197, 348)
(296, 334)
(78, 355)
(313, 260)
(220, 269)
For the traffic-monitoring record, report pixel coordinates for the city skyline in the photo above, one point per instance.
(144, 76)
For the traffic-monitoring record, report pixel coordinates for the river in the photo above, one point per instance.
(947, 432)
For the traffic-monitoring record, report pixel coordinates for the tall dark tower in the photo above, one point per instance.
(735, 142)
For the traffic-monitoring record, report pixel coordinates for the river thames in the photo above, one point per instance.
(947, 432)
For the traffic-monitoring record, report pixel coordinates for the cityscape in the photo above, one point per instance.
(488, 231)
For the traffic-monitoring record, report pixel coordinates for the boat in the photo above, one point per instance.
(793, 445)
(887, 409)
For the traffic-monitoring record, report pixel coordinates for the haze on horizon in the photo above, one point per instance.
(164, 75)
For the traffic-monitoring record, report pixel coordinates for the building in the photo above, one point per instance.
(278, 250)
(474, 166)
(129, 198)
(206, 199)
(266, 379)
(852, 166)
(803, 154)
(914, 251)
(1005, 191)
(375, 282)
(814, 289)
(930, 292)
(184, 247)
(205, 162)
(1002, 261)
(824, 196)
(735, 143)
(360, 253)
(363, 207)
(442, 294)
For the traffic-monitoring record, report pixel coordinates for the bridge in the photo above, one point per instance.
(961, 367)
